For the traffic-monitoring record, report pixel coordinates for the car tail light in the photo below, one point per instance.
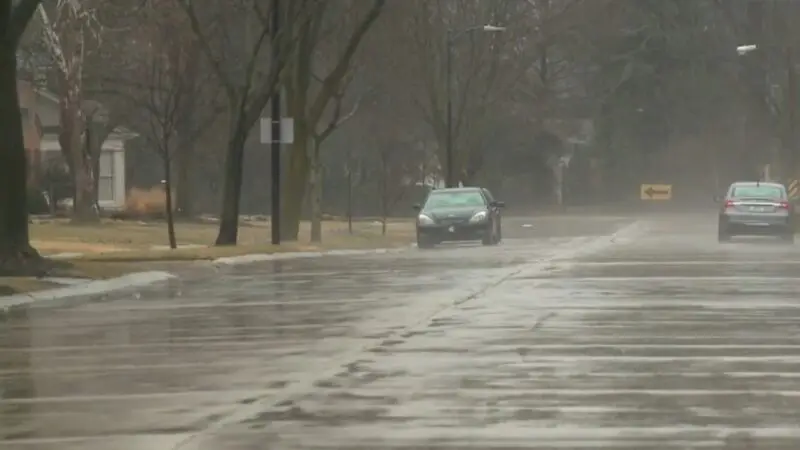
(729, 203)
(783, 205)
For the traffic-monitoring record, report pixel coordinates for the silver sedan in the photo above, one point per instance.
(756, 208)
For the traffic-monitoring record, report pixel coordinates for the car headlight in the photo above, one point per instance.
(479, 217)
(424, 220)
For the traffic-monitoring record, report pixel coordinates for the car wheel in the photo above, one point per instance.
(488, 237)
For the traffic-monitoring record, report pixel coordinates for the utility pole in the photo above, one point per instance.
(275, 219)
(791, 104)
(449, 180)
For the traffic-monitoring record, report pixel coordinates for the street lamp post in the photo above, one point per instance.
(452, 36)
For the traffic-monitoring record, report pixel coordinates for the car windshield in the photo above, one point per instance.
(454, 200)
(766, 192)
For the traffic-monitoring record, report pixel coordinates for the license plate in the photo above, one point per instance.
(452, 229)
(758, 209)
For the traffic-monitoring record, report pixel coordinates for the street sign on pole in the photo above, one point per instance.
(655, 192)
(287, 130)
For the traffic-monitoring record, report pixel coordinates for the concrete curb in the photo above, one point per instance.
(263, 257)
(91, 288)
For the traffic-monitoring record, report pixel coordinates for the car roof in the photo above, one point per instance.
(460, 189)
(757, 183)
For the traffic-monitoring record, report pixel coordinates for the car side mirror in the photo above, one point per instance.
(498, 204)
(416, 207)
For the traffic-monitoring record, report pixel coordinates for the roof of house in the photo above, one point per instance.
(121, 131)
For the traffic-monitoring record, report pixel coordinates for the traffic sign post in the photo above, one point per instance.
(655, 192)
(286, 135)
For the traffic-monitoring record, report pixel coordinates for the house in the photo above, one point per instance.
(41, 125)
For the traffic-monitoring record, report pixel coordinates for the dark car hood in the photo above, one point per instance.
(453, 213)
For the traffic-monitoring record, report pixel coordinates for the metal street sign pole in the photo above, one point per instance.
(275, 220)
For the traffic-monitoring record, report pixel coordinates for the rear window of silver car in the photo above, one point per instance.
(757, 192)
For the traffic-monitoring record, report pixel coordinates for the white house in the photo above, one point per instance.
(111, 179)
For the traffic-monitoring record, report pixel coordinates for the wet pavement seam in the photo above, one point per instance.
(561, 253)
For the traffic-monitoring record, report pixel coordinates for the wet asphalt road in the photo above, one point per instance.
(565, 337)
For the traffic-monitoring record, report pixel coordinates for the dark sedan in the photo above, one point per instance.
(459, 214)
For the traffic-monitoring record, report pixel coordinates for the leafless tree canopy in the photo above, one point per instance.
(629, 90)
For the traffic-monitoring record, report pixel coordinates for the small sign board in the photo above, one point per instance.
(287, 130)
(794, 189)
(655, 192)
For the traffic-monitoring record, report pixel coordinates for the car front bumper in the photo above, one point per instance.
(454, 232)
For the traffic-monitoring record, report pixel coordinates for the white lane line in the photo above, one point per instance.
(710, 263)
(539, 360)
(518, 393)
(508, 432)
(241, 363)
(449, 378)
(216, 396)
(535, 346)
(694, 279)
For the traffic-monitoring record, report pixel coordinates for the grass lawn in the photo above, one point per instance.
(112, 248)
(143, 241)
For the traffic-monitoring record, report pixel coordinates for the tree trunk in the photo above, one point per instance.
(294, 189)
(316, 193)
(349, 197)
(232, 189)
(72, 147)
(384, 192)
(15, 250)
(173, 243)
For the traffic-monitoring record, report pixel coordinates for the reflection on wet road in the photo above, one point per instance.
(655, 338)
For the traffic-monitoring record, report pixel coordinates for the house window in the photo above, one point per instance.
(105, 180)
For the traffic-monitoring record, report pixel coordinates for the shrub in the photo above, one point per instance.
(143, 203)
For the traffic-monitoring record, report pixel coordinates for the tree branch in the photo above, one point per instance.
(338, 119)
(333, 81)
(205, 45)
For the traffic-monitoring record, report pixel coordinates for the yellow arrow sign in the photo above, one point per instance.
(655, 192)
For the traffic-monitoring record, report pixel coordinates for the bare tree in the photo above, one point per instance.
(234, 38)
(309, 101)
(167, 62)
(397, 173)
(67, 37)
(16, 252)
(163, 83)
(320, 134)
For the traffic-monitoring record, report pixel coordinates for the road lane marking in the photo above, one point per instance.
(165, 396)
(638, 279)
